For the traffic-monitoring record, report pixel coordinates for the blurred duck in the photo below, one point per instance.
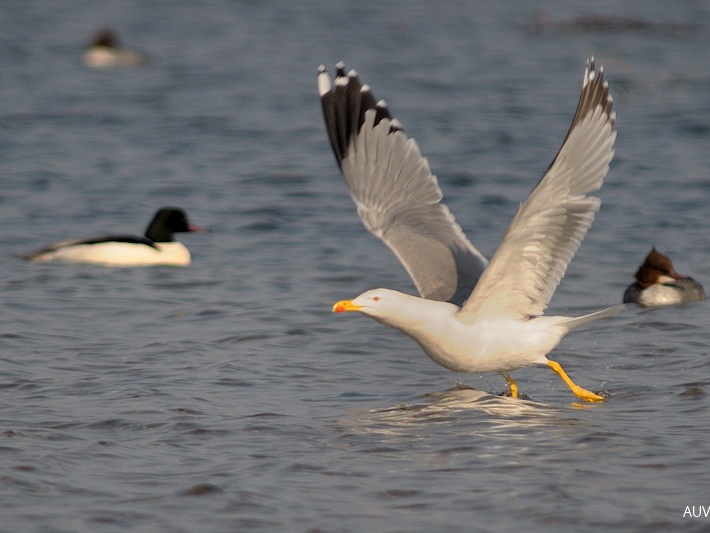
(106, 51)
(156, 247)
(657, 283)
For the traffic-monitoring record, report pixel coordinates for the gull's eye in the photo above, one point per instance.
(375, 298)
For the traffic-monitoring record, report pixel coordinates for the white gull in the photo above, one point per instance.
(472, 316)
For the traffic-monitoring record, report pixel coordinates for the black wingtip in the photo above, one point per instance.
(345, 102)
(595, 92)
(340, 69)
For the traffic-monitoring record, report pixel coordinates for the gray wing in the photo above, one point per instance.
(550, 225)
(397, 196)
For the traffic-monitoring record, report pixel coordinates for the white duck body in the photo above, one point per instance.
(106, 51)
(120, 254)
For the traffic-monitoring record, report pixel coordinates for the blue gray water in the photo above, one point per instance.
(226, 396)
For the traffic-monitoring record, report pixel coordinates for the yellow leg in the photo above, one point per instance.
(582, 394)
(512, 384)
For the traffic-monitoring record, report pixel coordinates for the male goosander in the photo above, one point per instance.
(156, 247)
(106, 51)
(473, 316)
(657, 283)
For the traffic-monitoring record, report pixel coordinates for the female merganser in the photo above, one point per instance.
(157, 247)
(106, 51)
(657, 283)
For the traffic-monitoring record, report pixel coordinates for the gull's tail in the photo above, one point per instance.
(575, 322)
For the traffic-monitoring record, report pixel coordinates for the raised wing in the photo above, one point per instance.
(550, 225)
(397, 196)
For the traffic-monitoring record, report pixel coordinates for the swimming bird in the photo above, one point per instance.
(657, 283)
(106, 51)
(472, 315)
(157, 247)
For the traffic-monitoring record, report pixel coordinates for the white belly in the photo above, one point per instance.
(122, 254)
(491, 346)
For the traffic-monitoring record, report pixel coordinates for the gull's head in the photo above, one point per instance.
(397, 309)
(377, 303)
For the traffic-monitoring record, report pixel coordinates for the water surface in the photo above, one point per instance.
(226, 396)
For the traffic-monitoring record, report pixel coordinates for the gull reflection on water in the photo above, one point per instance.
(491, 413)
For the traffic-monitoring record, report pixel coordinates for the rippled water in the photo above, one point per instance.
(226, 396)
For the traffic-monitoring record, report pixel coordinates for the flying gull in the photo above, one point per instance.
(472, 315)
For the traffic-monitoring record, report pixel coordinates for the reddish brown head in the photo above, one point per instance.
(655, 268)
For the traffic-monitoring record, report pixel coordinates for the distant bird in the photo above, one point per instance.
(473, 316)
(156, 247)
(106, 51)
(542, 22)
(657, 283)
